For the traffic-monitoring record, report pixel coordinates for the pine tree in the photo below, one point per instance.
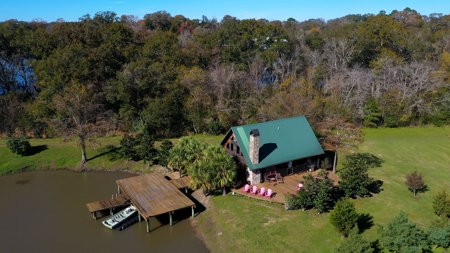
(401, 235)
(441, 203)
(344, 216)
(354, 243)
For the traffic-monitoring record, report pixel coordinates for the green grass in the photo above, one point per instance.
(238, 224)
(59, 154)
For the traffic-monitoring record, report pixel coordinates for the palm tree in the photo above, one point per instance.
(216, 169)
(185, 153)
(176, 159)
(226, 171)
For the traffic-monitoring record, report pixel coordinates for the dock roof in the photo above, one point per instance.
(153, 194)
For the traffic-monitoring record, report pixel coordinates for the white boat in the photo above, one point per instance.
(122, 219)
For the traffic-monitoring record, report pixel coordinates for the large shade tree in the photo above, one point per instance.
(80, 114)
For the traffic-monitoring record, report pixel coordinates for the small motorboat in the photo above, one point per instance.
(122, 219)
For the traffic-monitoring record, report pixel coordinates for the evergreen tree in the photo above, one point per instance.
(355, 180)
(440, 236)
(354, 243)
(146, 149)
(344, 216)
(401, 235)
(372, 114)
(163, 152)
(441, 203)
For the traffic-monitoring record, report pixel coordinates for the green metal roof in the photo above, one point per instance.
(281, 141)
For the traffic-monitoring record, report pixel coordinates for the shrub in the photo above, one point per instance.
(291, 202)
(18, 145)
(128, 148)
(163, 152)
(214, 128)
(344, 216)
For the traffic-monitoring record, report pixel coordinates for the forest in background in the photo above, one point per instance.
(170, 75)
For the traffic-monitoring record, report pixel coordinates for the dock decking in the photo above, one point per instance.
(181, 183)
(153, 194)
(120, 200)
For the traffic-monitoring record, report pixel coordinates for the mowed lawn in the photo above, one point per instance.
(238, 224)
(58, 154)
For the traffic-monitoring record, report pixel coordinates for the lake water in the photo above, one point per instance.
(45, 211)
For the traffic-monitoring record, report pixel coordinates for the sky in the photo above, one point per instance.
(300, 10)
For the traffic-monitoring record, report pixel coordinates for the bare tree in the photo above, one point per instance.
(340, 136)
(80, 114)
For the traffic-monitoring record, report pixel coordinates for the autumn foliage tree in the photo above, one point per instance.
(415, 182)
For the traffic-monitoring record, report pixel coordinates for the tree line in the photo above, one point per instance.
(170, 75)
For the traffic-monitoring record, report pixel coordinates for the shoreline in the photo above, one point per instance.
(199, 234)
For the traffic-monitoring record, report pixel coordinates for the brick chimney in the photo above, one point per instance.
(254, 146)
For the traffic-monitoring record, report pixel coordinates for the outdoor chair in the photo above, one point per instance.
(246, 188)
(262, 192)
(269, 193)
(254, 190)
(299, 186)
(279, 178)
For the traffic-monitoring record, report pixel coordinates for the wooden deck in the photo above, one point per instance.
(181, 183)
(279, 189)
(101, 205)
(152, 194)
(107, 204)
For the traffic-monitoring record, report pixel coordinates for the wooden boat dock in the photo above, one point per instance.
(111, 204)
(153, 195)
(181, 183)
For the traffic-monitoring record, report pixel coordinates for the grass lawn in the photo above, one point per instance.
(238, 224)
(58, 154)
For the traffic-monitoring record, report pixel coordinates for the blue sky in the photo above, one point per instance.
(71, 10)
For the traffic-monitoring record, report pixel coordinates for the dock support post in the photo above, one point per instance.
(192, 207)
(139, 217)
(170, 216)
(94, 215)
(118, 189)
(148, 225)
(186, 190)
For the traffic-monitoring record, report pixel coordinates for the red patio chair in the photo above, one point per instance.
(246, 188)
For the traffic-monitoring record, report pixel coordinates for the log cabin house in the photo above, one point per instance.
(283, 146)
